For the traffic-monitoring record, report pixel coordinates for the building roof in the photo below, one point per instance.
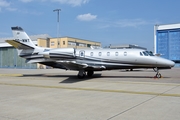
(80, 39)
(167, 26)
(127, 46)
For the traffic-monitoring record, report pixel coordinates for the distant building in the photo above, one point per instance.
(127, 46)
(10, 59)
(167, 41)
(67, 42)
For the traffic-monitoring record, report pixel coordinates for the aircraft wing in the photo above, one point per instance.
(73, 65)
(68, 65)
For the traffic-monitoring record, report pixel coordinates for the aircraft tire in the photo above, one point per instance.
(158, 75)
(90, 73)
(81, 76)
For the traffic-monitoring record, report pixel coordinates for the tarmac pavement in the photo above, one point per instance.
(55, 94)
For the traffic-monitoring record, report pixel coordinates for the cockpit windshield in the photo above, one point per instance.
(147, 53)
(150, 53)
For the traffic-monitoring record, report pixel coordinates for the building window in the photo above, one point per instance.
(64, 42)
(71, 43)
(82, 45)
(88, 45)
(52, 43)
(100, 53)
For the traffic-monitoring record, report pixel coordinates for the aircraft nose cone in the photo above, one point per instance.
(171, 63)
(165, 62)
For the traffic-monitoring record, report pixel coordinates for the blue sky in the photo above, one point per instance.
(107, 21)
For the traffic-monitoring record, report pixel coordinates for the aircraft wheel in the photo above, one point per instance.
(81, 76)
(90, 73)
(158, 75)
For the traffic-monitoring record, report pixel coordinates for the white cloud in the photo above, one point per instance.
(127, 23)
(72, 2)
(26, 1)
(86, 17)
(4, 33)
(4, 3)
(11, 9)
(131, 22)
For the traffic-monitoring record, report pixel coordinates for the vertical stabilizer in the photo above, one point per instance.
(21, 36)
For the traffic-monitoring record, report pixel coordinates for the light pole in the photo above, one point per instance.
(57, 10)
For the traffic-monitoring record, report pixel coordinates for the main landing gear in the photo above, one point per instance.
(158, 75)
(82, 73)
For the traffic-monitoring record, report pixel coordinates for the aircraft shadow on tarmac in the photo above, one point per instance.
(74, 78)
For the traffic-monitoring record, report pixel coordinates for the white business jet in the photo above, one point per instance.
(86, 61)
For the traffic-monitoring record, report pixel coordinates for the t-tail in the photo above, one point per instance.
(21, 41)
(25, 47)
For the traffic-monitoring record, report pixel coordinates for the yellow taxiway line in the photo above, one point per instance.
(94, 89)
(11, 75)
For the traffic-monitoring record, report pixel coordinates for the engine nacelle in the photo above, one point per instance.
(60, 53)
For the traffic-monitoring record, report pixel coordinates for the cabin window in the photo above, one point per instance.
(125, 53)
(141, 54)
(91, 54)
(116, 53)
(82, 53)
(100, 53)
(108, 53)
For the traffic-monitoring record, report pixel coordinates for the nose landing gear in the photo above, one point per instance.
(158, 75)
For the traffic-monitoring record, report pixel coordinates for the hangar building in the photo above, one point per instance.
(167, 41)
(10, 59)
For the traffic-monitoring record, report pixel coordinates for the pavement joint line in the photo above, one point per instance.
(93, 89)
(147, 83)
(123, 82)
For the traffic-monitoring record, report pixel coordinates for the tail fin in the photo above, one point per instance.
(21, 39)
(22, 42)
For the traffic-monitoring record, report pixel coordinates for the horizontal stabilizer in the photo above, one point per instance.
(18, 45)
